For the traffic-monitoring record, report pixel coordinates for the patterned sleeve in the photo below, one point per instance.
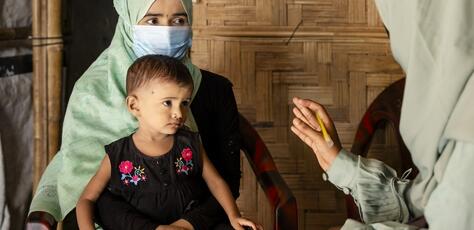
(375, 187)
(378, 191)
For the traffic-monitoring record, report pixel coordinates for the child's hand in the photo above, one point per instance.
(170, 227)
(239, 223)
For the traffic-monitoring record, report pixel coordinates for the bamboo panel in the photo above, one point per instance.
(265, 13)
(263, 87)
(248, 78)
(264, 212)
(47, 71)
(307, 78)
(231, 13)
(314, 32)
(324, 95)
(357, 11)
(280, 62)
(232, 63)
(324, 51)
(357, 101)
(330, 12)
(295, 14)
(247, 201)
(310, 51)
(339, 55)
(373, 64)
(324, 74)
(217, 50)
(373, 18)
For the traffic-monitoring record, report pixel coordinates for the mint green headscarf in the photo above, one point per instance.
(97, 115)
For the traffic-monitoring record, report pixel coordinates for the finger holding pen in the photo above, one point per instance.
(316, 129)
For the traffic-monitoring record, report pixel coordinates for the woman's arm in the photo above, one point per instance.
(376, 188)
(215, 111)
(85, 205)
(216, 114)
(221, 192)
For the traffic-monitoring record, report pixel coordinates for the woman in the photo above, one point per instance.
(96, 116)
(433, 40)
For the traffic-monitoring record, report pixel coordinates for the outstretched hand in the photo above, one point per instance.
(241, 223)
(306, 127)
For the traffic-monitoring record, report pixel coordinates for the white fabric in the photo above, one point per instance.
(15, 13)
(16, 128)
(4, 213)
(433, 40)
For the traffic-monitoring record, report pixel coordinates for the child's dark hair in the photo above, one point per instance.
(152, 67)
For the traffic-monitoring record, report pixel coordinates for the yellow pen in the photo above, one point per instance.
(326, 136)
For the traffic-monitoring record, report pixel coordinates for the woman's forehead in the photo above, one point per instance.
(166, 7)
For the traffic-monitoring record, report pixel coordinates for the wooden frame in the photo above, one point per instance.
(47, 74)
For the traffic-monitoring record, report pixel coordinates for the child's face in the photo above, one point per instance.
(160, 106)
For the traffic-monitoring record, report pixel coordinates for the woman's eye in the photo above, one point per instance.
(152, 21)
(179, 21)
(167, 103)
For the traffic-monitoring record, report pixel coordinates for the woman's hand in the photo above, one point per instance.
(239, 223)
(306, 127)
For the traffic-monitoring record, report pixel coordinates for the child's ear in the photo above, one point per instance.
(132, 105)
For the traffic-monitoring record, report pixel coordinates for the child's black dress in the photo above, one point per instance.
(164, 187)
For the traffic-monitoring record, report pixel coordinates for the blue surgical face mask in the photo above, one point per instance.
(173, 41)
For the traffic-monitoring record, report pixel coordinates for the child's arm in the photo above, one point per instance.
(85, 205)
(221, 192)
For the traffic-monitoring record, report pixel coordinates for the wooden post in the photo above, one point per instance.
(47, 73)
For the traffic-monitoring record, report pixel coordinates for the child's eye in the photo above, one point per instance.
(167, 103)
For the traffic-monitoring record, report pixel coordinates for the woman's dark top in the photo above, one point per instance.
(216, 115)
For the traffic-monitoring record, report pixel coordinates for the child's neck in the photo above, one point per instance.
(152, 145)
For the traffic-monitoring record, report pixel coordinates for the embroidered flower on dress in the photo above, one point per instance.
(187, 154)
(186, 165)
(126, 168)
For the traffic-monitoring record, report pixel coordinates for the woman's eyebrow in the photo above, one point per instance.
(181, 14)
(161, 15)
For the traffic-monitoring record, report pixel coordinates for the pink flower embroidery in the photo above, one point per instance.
(184, 164)
(135, 178)
(187, 154)
(126, 167)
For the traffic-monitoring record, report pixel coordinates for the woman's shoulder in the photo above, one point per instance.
(210, 79)
(95, 74)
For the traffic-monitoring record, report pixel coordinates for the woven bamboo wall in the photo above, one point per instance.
(339, 56)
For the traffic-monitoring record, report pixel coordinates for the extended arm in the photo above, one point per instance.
(85, 205)
(221, 192)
